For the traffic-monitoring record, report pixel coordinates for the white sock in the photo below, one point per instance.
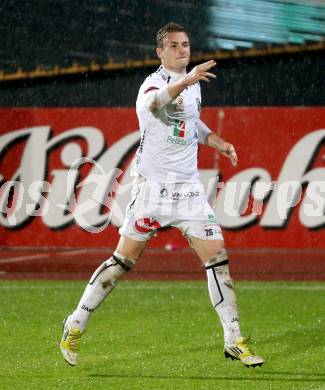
(223, 299)
(100, 285)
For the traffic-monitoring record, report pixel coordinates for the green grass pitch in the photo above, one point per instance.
(162, 335)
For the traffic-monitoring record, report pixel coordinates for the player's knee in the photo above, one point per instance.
(220, 283)
(111, 270)
(220, 268)
(124, 262)
(218, 260)
(129, 248)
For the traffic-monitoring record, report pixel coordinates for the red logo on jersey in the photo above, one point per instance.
(146, 225)
(179, 129)
(180, 103)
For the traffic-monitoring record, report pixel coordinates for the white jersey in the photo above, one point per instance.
(169, 137)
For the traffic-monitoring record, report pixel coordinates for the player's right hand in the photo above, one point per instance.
(229, 151)
(200, 72)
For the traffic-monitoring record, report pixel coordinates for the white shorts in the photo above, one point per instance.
(156, 205)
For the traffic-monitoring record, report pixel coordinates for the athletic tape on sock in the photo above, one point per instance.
(117, 259)
(125, 262)
(217, 261)
(120, 263)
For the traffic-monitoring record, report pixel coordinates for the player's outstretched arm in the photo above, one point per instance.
(157, 99)
(225, 148)
(198, 73)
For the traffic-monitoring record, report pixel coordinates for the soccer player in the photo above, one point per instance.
(167, 192)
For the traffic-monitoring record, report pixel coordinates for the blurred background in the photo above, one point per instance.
(268, 51)
(68, 65)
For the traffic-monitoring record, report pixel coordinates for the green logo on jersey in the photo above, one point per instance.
(179, 129)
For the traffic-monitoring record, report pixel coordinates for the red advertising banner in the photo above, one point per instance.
(274, 198)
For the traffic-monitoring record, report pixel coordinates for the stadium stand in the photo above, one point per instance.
(44, 39)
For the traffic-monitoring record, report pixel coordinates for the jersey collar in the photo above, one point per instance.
(173, 76)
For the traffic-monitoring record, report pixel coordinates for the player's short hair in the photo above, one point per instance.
(169, 28)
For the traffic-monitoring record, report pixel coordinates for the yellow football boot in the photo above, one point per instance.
(70, 343)
(241, 351)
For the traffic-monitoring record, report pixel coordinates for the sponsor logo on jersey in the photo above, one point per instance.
(163, 193)
(177, 141)
(178, 137)
(180, 103)
(176, 195)
(179, 129)
(184, 195)
(212, 218)
(146, 225)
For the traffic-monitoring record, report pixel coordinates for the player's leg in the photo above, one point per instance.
(101, 283)
(220, 285)
(221, 290)
(104, 278)
(134, 233)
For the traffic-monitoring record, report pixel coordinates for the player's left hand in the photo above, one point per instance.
(229, 151)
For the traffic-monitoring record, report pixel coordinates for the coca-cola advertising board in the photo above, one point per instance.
(65, 176)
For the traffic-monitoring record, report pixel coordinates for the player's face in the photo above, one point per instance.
(175, 53)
